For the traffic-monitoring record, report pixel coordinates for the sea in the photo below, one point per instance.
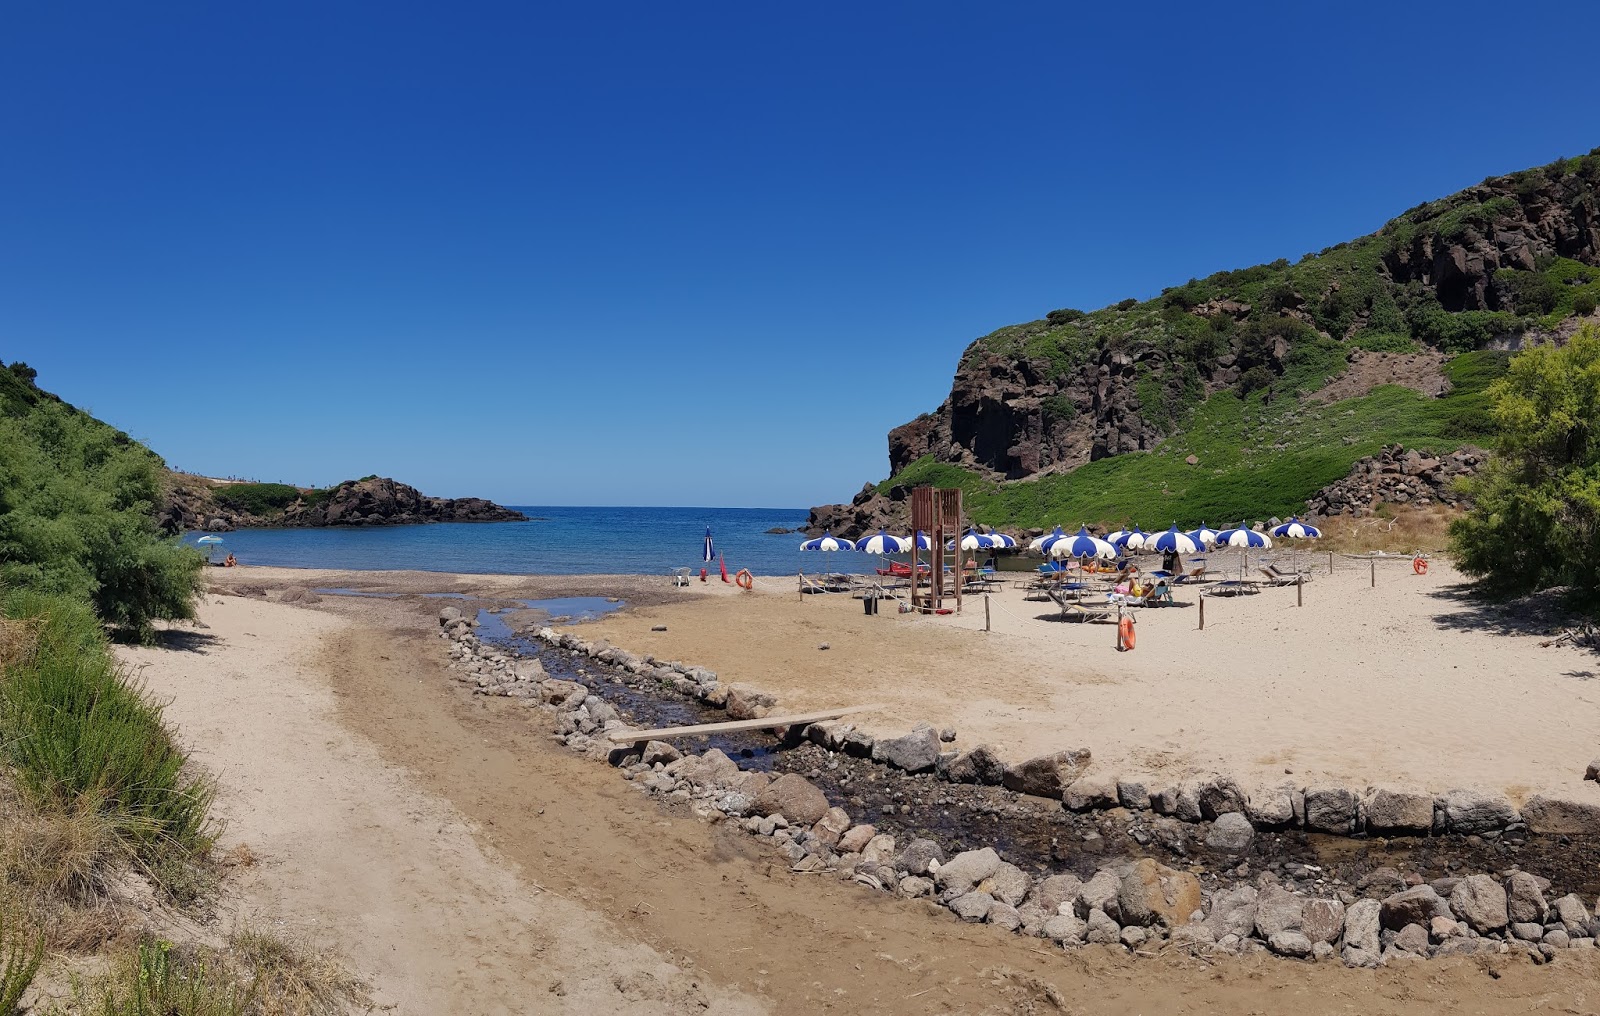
(561, 540)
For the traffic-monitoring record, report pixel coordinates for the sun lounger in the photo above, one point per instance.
(1276, 578)
(680, 577)
(1193, 575)
(1290, 575)
(1073, 611)
(1233, 587)
(811, 585)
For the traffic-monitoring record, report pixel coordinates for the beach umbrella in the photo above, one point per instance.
(1171, 542)
(883, 543)
(209, 539)
(710, 553)
(1203, 536)
(1003, 542)
(975, 540)
(1129, 539)
(1048, 540)
(1246, 540)
(1082, 545)
(921, 541)
(828, 542)
(1294, 529)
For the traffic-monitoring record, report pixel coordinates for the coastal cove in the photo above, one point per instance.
(557, 540)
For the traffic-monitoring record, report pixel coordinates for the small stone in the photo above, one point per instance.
(967, 869)
(1322, 951)
(1134, 937)
(1056, 892)
(1527, 931)
(917, 855)
(660, 751)
(1002, 915)
(915, 886)
(1557, 938)
(1593, 772)
(1413, 938)
(1099, 893)
(856, 839)
(658, 627)
(1442, 928)
(1133, 795)
(831, 827)
(1067, 929)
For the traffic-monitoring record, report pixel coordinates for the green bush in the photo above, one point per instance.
(1535, 521)
(77, 514)
(75, 728)
(257, 498)
(1583, 304)
(161, 981)
(1383, 342)
(20, 955)
(1064, 316)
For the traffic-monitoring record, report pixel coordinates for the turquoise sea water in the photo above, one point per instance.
(561, 541)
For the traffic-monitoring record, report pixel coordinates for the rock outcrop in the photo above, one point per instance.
(1397, 476)
(373, 501)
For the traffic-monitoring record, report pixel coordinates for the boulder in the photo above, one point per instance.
(1472, 811)
(917, 752)
(1525, 898)
(1003, 915)
(1008, 884)
(980, 765)
(746, 703)
(1278, 909)
(1152, 893)
(1220, 795)
(832, 826)
(1089, 792)
(1392, 810)
(1330, 809)
(660, 751)
(916, 856)
(1322, 920)
(1381, 882)
(1413, 938)
(1233, 912)
(1133, 795)
(1273, 807)
(794, 797)
(1527, 931)
(1563, 816)
(714, 768)
(879, 849)
(1054, 892)
(965, 870)
(1573, 914)
(1099, 893)
(1481, 902)
(972, 907)
(1593, 772)
(1231, 833)
(1290, 943)
(1047, 775)
(1068, 929)
(1362, 947)
(1102, 929)
(1413, 906)
(856, 839)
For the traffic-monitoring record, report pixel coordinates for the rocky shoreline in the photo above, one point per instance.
(373, 501)
(1236, 892)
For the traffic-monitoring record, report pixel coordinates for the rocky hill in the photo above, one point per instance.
(196, 502)
(1247, 392)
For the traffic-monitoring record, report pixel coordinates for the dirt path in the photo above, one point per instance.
(352, 853)
(408, 824)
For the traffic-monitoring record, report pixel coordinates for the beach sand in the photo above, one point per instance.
(467, 865)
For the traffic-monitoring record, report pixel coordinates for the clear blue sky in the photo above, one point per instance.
(682, 253)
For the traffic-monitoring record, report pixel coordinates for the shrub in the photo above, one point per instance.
(1535, 522)
(77, 731)
(1064, 316)
(1383, 342)
(1583, 304)
(20, 955)
(1529, 292)
(257, 498)
(1127, 304)
(77, 515)
(158, 980)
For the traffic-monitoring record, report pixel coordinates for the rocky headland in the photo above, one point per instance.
(201, 503)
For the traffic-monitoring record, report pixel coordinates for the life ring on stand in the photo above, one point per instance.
(1125, 636)
(1419, 564)
(745, 580)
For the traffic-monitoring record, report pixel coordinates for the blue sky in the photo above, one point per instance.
(701, 254)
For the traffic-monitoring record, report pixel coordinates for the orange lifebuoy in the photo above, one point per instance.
(744, 579)
(1419, 565)
(1125, 637)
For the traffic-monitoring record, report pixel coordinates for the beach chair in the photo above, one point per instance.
(1193, 575)
(1274, 577)
(1292, 576)
(680, 577)
(811, 585)
(1158, 595)
(1233, 587)
(1072, 611)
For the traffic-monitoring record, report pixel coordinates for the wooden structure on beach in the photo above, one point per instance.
(936, 512)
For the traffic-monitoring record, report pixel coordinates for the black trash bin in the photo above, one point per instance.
(869, 604)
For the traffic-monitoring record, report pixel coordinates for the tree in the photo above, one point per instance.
(1535, 522)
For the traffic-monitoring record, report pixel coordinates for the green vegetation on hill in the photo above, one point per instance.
(1256, 458)
(77, 512)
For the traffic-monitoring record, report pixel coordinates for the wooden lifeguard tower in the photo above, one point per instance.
(936, 512)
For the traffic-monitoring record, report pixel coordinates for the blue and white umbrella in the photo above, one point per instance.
(827, 541)
(922, 541)
(1082, 545)
(1129, 539)
(1245, 540)
(1294, 529)
(1171, 542)
(1003, 542)
(1048, 540)
(1203, 536)
(883, 543)
(209, 539)
(710, 553)
(975, 540)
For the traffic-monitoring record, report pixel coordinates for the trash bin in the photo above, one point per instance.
(869, 604)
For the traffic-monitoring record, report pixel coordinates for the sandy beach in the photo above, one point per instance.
(467, 865)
